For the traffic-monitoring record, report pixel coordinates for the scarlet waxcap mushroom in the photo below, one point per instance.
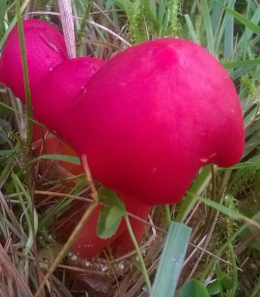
(88, 245)
(61, 87)
(153, 116)
(45, 49)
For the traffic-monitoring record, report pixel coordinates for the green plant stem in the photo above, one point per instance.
(25, 70)
(234, 265)
(21, 190)
(197, 188)
(138, 251)
(168, 215)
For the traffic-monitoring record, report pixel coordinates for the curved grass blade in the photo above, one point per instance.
(250, 25)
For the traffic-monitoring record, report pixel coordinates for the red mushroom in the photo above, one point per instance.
(61, 87)
(153, 116)
(64, 84)
(88, 245)
(45, 49)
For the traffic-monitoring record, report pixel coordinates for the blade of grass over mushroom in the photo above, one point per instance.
(197, 188)
(57, 157)
(33, 121)
(25, 70)
(171, 261)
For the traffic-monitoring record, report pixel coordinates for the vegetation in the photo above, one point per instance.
(222, 205)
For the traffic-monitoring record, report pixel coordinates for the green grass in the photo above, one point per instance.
(222, 205)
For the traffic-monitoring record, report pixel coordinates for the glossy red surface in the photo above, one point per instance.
(153, 116)
(45, 49)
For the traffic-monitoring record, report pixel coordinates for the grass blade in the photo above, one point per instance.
(247, 35)
(171, 262)
(193, 33)
(3, 5)
(25, 69)
(197, 188)
(229, 212)
(12, 24)
(228, 38)
(250, 25)
(208, 26)
(57, 157)
(241, 64)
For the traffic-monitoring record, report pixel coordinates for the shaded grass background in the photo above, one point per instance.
(224, 250)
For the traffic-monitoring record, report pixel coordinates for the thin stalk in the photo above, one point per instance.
(25, 70)
(234, 277)
(168, 215)
(138, 251)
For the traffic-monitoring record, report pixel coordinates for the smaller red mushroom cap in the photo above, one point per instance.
(153, 116)
(61, 87)
(45, 49)
(88, 245)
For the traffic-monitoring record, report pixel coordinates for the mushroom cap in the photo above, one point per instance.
(61, 87)
(153, 116)
(45, 49)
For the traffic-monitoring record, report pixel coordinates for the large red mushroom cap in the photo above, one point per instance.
(152, 116)
(61, 87)
(45, 49)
